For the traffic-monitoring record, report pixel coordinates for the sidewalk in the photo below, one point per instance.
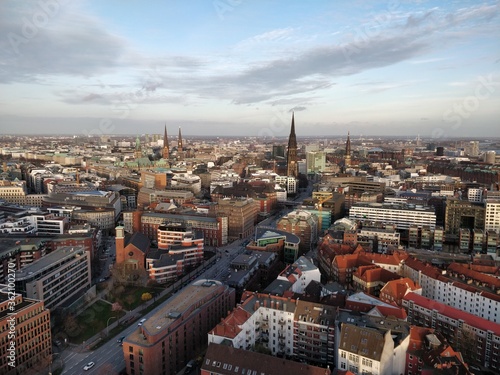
(137, 312)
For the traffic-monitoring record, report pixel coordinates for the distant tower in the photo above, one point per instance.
(138, 150)
(347, 156)
(291, 156)
(166, 151)
(179, 141)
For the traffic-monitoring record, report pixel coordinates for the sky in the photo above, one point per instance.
(241, 67)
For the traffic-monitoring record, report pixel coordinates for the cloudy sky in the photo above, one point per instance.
(240, 67)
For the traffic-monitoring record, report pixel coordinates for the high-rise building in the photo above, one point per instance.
(315, 161)
(291, 156)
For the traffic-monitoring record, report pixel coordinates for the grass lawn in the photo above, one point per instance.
(93, 320)
(132, 296)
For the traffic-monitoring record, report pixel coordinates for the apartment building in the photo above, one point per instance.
(56, 277)
(300, 274)
(429, 352)
(462, 214)
(403, 215)
(458, 287)
(286, 327)
(476, 338)
(26, 323)
(364, 350)
(225, 360)
(492, 215)
(303, 224)
(177, 332)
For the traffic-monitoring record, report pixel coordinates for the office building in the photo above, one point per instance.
(241, 214)
(57, 277)
(402, 215)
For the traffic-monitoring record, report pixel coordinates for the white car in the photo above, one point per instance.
(88, 366)
(141, 322)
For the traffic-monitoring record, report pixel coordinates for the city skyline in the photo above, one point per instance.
(386, 68)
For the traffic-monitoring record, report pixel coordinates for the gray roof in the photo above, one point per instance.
(263, 232)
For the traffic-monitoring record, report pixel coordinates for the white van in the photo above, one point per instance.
(141, 322)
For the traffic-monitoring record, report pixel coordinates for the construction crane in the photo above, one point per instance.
(322, 198)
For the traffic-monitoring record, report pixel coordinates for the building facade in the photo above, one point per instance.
(171, 337)
(25, 330)
(56, 277)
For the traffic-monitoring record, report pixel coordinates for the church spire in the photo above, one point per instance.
(166, 151)
(179, 141)
(292, 167)
(347, 156)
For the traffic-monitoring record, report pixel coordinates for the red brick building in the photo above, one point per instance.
(29, 321)
(177, 332)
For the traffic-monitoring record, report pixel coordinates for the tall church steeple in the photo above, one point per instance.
(166, 151)
(291, 156)
(179, 141)
(347, 156)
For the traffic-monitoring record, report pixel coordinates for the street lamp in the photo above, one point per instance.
(107, 324)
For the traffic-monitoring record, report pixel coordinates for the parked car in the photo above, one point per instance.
(141, 322)
(120, 340)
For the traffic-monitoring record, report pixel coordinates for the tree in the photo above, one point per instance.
(146, 296)
(71, 326)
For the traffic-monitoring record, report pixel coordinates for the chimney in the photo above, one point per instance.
(257, 305)
(277, 305)
(272, 304)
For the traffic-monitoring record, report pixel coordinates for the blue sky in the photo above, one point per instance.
(240, 67)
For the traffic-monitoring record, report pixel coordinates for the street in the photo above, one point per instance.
(109, 358)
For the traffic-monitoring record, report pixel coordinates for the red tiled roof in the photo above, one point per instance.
(397, 312)
(454, 313)
(392, 259)
(464, 270)
(425, 268)
(397, 288)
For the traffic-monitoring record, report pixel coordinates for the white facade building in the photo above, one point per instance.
(288, 182)
(400, 214)
(492, 215)
(300, 273)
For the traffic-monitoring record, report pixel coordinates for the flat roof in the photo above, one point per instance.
(173, 309)
(48, 260)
